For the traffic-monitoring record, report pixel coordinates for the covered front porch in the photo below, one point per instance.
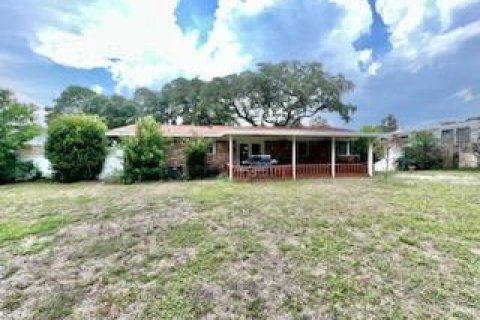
(297, 157)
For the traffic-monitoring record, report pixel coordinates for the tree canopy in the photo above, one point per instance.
(151, 102)
(284, 94)
(75, 99)
(115, 110)
(119, 111)
(279, 94)
(197, 102)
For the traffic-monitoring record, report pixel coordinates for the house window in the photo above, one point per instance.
(448, 136)
(211, 148)
(302, 149)
(341, 148)
(463, 135)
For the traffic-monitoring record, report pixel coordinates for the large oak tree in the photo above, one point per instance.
(286, 93)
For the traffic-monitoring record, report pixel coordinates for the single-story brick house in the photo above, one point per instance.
(297, 152)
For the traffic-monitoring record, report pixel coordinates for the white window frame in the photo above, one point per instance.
(214, 148)
(249, 141)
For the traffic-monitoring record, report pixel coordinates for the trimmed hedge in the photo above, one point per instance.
(76, 147)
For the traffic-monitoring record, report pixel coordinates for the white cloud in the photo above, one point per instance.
(374, 67)
(368, 63)
(140, 43)
(450, 41)
(447, 9)
(466, 95)
(404, 19)
(97, 88)
(420, 29)
(339, 43)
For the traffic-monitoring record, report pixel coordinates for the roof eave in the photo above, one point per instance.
(339, 134)
(259, 132)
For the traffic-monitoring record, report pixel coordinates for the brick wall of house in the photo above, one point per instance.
(220, 158)
(176, 155)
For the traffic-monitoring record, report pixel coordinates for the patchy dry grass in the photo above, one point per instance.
(396, 248)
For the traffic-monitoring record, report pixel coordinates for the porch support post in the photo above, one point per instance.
(333, 157)
(370, 158)
(294, 158)
(230, 157)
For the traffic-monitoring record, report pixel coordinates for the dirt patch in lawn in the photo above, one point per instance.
(451, 178)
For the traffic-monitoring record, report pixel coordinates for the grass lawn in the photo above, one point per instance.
(402, 247)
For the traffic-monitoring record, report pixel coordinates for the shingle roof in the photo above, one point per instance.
(223, 131)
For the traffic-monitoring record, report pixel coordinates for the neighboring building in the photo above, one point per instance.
(293, 152)
(460, 141)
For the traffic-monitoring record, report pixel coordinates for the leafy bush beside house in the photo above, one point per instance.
(16, 128)
(423, 151)
(144, 155)
(360, 145)
(76, 147)
(196, 158)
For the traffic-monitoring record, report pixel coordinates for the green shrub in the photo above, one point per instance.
(9, 162)
(13, 169)
(26, 171)
(76, 147)
(196, 158)
(360, 146)
(16, 128)
(144, 154)
(423, 151)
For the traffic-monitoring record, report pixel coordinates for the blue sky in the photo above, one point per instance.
(416, 59)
